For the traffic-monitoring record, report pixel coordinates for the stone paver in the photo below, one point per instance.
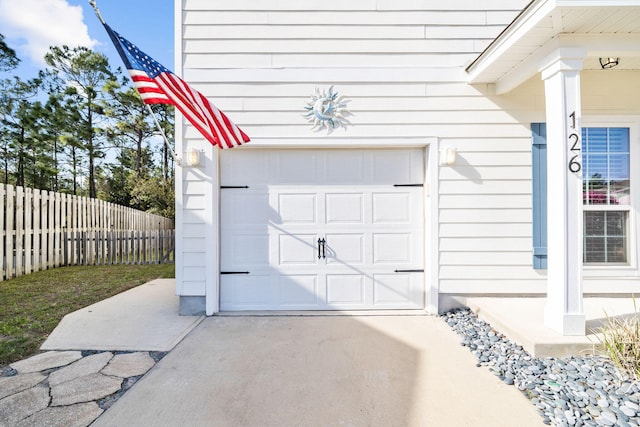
(18, 383)
(67, 388)
(84, 389)
(129, 365)
(81, 368)
(79, 415)
(44, 361)
(21, 405)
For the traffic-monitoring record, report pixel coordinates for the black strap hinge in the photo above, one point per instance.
(408, 185)
(225, 187)
(234, 272)
(409, 271)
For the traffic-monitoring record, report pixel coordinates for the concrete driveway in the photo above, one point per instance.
(320, 371)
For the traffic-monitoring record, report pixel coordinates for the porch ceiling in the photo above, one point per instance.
(600, 28)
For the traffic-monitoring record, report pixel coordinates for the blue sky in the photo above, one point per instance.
(30, 26)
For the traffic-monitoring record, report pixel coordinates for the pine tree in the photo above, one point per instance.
(85, 73)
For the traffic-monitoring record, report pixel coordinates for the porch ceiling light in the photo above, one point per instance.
(607, 63)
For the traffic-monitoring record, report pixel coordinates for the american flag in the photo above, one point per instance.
(157, 85)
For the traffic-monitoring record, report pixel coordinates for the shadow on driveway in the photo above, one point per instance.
(320, 371)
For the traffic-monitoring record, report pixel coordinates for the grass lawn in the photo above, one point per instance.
(31, 306)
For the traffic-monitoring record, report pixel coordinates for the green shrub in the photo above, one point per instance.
(620, 337)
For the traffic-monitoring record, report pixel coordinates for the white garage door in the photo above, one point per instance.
(322, 229)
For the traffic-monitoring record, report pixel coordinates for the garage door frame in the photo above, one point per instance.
(431, 238)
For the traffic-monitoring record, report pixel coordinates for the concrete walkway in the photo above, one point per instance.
(521, 320)
(252, 371)
(144, 318)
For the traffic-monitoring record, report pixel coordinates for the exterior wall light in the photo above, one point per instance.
(193, 157)
(448, 156)
(607, 63)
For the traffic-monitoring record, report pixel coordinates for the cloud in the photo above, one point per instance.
(31, 26)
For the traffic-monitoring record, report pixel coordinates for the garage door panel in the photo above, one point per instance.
(246, 166)
(297, 208)
(247, 292)
(345, 248)
(346, 289)
(345, 167)
(246, 249)
(391, 208)
(296, 167)
(397, 167)
(241, 208)
(344, 208)
(298, 249)
(397, 289)
(392, 248)
(298, 291)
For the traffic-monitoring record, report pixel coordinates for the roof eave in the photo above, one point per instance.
(528, 18)
(503, 63)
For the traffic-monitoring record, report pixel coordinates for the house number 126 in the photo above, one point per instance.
(574, 143)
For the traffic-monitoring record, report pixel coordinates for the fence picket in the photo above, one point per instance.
(10, 232)
(37, 266)
(44, 235)
(156, 256)
(57, 220)
(19, 203)
(51, 230)
(28, 230)
(2, 234)
(143, 247)
(131, 248)
(74, 229)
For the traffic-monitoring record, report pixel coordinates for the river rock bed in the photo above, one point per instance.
(573, 391)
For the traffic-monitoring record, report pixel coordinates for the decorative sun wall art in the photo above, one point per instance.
(327, 110)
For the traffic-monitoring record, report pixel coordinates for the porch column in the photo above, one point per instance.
(561, 74)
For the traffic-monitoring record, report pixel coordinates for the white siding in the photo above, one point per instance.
(401, 63)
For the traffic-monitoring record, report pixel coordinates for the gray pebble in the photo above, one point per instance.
(632, 405)
(573, 391)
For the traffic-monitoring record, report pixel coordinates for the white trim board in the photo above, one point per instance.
(329, 141)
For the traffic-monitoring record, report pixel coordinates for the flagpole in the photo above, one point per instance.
(164, 137)
(95, 8)
(166, 141)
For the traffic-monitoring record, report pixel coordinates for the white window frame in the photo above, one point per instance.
(630, 268)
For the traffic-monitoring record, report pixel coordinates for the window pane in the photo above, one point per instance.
(594, 249)
(605, 162)
(619, 178)
(594, 179)
(605, 236)
(594, 140)
(616, 249)
(616, 223)
(619, 140)
(593, 224)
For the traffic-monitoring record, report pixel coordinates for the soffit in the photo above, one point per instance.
(600, 27)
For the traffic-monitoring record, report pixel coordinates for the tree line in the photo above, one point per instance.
(79, 127)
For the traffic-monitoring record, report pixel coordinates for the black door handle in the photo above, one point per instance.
(321, 252)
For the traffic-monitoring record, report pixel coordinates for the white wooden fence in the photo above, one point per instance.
(41, 230)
